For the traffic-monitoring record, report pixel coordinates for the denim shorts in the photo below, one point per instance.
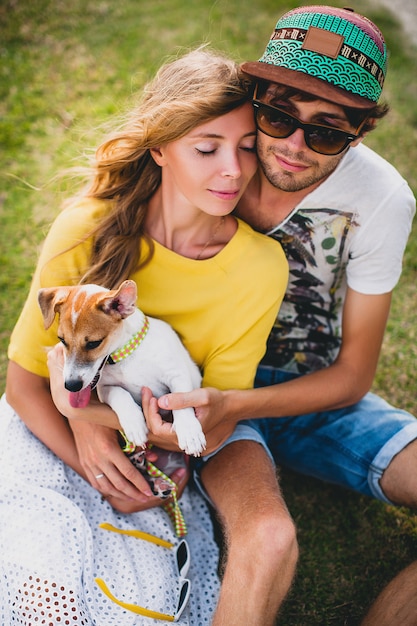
(350, 447)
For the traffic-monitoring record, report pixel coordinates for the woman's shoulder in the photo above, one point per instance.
(261, 259)
(74, 222)
(83, 211)
(262, 244)
(71, 227)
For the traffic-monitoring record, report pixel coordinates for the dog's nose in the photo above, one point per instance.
(74, 384)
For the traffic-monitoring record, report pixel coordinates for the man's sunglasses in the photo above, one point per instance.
(182, 559)
(280, 124)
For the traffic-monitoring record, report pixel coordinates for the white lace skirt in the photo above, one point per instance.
(52, 549)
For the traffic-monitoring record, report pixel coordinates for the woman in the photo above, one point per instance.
(157, 211)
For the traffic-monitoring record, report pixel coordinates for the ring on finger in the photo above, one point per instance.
(99, 476)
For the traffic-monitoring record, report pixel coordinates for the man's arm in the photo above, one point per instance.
(343, 383)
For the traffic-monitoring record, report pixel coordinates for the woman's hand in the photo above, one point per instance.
(59, 394)
(95, 434)
(106, 466)
(95, 412)
(111, 472)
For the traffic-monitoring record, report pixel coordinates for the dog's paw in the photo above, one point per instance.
(190, 435)
(127, 410)
(135, 431)
(194, 446)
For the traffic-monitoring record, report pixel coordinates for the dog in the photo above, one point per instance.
(111, 345)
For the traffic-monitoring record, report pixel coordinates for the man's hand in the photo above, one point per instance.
(208, 404)
(210, 408)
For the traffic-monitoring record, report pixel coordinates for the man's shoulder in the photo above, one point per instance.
(362, 177)
(364, 162)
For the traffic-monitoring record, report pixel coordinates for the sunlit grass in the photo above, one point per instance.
(65, 67)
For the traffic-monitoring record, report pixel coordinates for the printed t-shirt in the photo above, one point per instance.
(349, 232)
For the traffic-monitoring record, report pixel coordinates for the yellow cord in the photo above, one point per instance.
(138, 534)
(133, 607)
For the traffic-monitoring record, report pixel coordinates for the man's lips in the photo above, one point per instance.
(290, 166)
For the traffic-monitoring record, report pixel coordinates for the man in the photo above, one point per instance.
(343, 215)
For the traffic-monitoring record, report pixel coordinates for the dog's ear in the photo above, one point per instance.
(121, 301)
(50, 301)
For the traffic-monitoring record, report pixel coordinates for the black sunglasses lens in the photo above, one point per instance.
(278, 124)
(183, 599)
(183, 593)
(326, 140)
(183, 558)
(274, 123)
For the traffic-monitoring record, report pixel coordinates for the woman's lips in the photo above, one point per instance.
(225, 195)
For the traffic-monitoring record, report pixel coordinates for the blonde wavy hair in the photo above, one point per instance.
(185, 92)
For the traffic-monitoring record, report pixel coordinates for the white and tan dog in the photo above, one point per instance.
(110, 343)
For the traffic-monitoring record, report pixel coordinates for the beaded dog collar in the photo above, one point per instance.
(130, 346)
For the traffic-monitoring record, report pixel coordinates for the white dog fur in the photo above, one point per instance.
(95, 322)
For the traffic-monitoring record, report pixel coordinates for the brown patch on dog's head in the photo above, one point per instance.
(119, 302)
(89, 316)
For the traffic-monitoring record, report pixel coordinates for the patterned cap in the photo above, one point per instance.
(335, 54)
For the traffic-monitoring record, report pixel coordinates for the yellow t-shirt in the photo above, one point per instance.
(223, 308)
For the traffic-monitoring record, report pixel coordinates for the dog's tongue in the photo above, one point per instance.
(80, 399)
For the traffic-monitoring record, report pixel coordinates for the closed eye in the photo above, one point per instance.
(92, 345)
(249, 148)
(62, 340)
(205, 152)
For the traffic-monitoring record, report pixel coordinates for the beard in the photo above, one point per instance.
(317, 171)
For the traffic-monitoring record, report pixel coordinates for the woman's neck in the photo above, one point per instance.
(188, 231)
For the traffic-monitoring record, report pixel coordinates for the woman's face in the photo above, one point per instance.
(211, 166)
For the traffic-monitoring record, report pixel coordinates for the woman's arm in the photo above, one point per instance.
(89, 449)
(95, 431)
(29, 396)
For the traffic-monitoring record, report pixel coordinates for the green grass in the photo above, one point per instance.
(64, 69)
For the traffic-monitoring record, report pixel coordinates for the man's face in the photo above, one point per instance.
(289, 164)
